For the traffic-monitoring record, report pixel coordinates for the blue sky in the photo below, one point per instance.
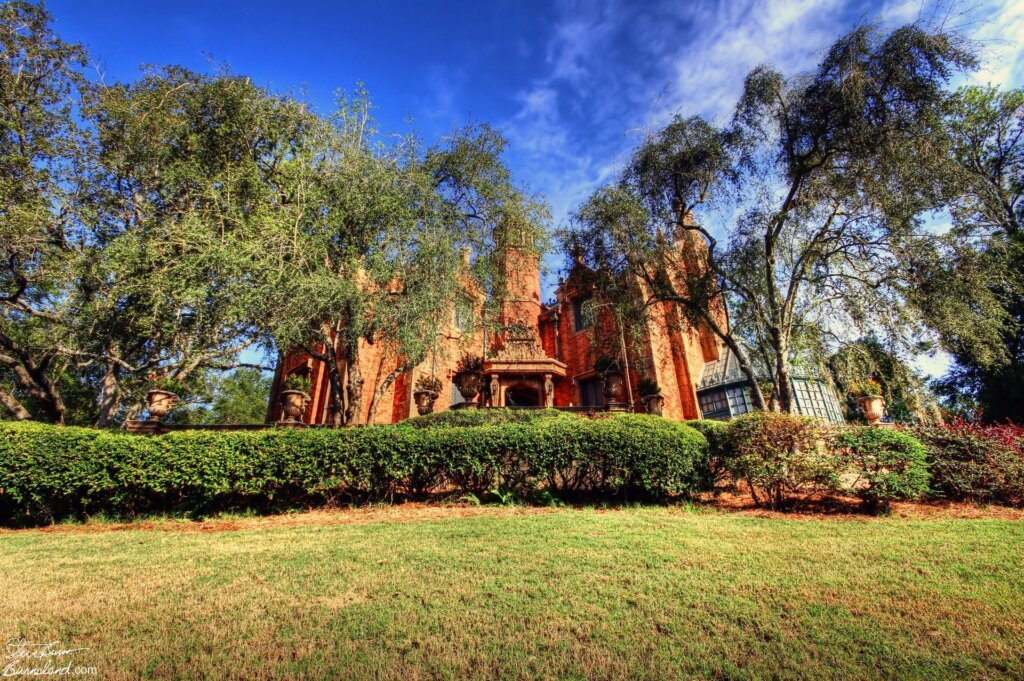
(573, 85)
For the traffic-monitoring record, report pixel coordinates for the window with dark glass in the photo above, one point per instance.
(714, 404)
(591, 394)
(582, 313)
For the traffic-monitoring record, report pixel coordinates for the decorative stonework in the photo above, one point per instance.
(520, 353)
(520, 345)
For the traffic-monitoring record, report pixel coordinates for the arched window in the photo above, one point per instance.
(583, 313)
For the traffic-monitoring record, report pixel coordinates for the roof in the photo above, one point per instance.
(726, 371)
(723, 371)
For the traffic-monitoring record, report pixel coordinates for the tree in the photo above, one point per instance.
(129, 213)
(380, 258)
(238, 397)
(971, 285)
(187, 181)
(41, 153)
(907, 399)
(821, 179)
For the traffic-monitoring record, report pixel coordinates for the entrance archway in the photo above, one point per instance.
(521, 396)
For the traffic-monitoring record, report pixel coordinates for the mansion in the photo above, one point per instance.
(544, 356)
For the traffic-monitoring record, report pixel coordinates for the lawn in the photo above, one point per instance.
(499, 593)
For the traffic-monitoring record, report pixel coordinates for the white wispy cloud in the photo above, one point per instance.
(616, 69)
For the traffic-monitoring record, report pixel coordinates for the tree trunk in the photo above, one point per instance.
(746, 368)
(783, 376)
(337, 393)
(272, 406)
(379, 393)
(110, 397)
(784, 383)
(748, 372)
(13, 407)
(354, 384)
(53, 403)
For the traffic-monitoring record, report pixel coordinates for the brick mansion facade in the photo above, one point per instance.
(543, 355)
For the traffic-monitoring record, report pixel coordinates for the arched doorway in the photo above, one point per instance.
(521, 396)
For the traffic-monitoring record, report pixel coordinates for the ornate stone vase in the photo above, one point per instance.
(468, 383)
(424, 401)
(612, 385)
(159, 403)
(873, 408)
(293, 402)
(655, 404)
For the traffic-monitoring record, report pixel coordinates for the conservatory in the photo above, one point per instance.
(724, 392)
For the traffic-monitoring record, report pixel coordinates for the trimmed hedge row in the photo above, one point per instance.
(48, 473)
(462, 418)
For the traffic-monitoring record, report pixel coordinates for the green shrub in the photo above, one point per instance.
(889, 464)
(970, 462)
(48, 472)
(461, 418)
(777, 455)
(717, 435)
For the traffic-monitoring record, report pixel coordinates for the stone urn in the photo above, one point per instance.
(424, 401)
(612, 385)
(873, 408)
(159, 403)
(655, 404)
(293, 402)
(468, 383)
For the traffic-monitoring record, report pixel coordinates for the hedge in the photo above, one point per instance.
(779, 455)
(719, 445)
(48, 472)
(461, 418)
(889, 464)
(973, 462)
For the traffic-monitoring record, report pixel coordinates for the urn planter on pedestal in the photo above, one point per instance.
(873, 408)
(468, 384)
(293, 403)
(612, 385)
(469, 379)
(655, 404)
(159, 403)
(427, 390)
(424, 401)
(650, 393)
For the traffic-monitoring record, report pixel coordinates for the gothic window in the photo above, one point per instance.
(464, 315)
(738, 403)
(583, 313)
(814, 398)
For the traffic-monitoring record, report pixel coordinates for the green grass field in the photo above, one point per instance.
(647, 592)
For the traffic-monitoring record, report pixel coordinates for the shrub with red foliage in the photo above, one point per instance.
(975, 462)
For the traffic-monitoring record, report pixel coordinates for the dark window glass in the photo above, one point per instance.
(582, 313)
(591, 394)
(714, 404)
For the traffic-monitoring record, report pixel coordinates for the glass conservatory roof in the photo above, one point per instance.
(722, 371)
